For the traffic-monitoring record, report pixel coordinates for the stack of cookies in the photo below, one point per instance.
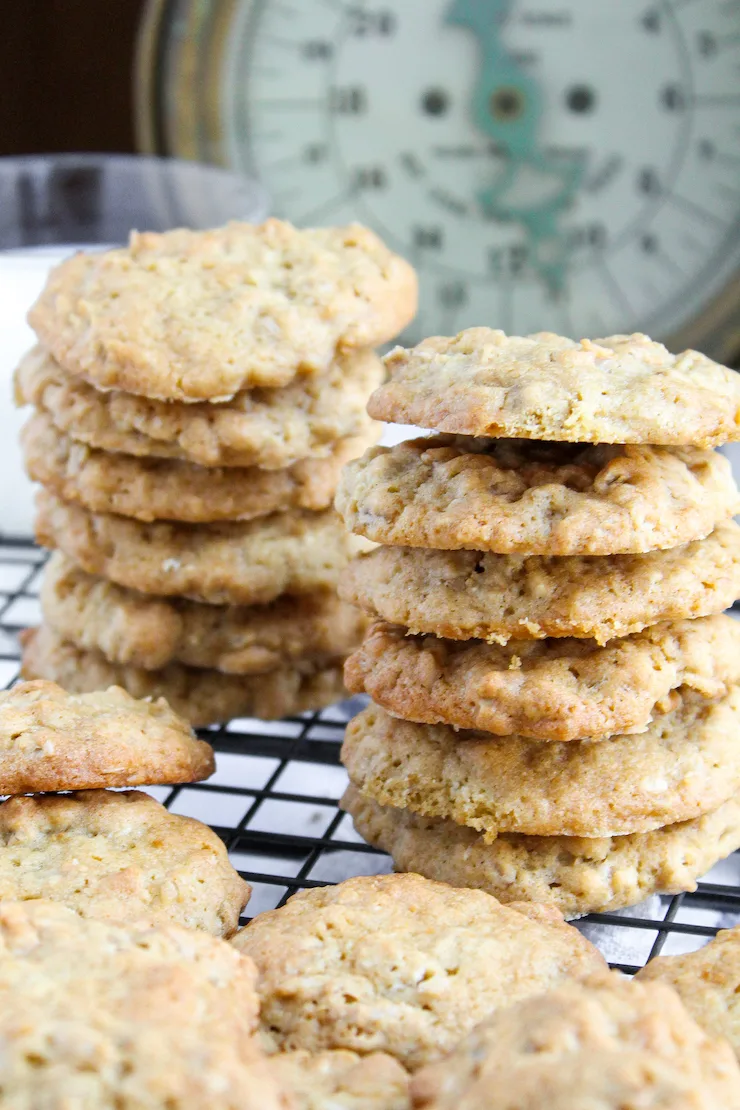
(196, 396)
(556, 710)
(107, 853)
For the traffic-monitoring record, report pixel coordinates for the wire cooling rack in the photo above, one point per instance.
(273, 800)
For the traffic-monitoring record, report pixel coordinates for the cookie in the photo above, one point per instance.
(606, 1044)
(163, 489)
(145, 631)
(118, 856)
(270, 428)
(341, 1080)
(203, 697)
(519, 497)
(200, 315)
(708, 982)
(622, 389)
(402, 965)
(577, 875)
(465, 594)
(685, 764)
(560, 690)
(240, 563)
(96, 1014)
(53, 740)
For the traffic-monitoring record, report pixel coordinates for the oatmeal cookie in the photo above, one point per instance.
(103, 1016)
(118, 856)
(166, 489)
(564, 689)
(270, 428)
(468, 594)
(341, 1080)
(576, 874)
(708, 982)
(605, 1044)
(519, 497)
(239, 563)
(199, 315)
(622, 389)
(54, 740)
(687, 763)
(203, 697)
(400, 964)
(133, 628)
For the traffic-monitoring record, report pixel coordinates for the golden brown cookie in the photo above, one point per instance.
(54, 740)
(605, 1044)
(399, 964)
(99, 1015)
(708, 982)
(118, 856)
(685, 764)
(622, 389)
(565, 689)
(465, 594)
(165, 489)
(200, 315)
(341, 1080)
(520, 497)
(270, 428)
(146, 631)
(240, 563)
(575, 874)
(203, 697)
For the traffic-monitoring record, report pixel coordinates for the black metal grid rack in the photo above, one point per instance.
(273, 800)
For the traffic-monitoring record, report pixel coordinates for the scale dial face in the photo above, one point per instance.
(569, 165)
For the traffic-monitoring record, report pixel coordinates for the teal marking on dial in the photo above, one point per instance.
(507, 107)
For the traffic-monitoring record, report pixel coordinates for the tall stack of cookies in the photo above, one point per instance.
(196, 396)
(556, 708)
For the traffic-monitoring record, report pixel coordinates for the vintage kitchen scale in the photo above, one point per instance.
(562, 164)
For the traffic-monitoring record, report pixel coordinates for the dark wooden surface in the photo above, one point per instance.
(66, 75)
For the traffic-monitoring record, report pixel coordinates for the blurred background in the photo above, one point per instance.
(66, 73)
(562, 164)
(569, 165)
